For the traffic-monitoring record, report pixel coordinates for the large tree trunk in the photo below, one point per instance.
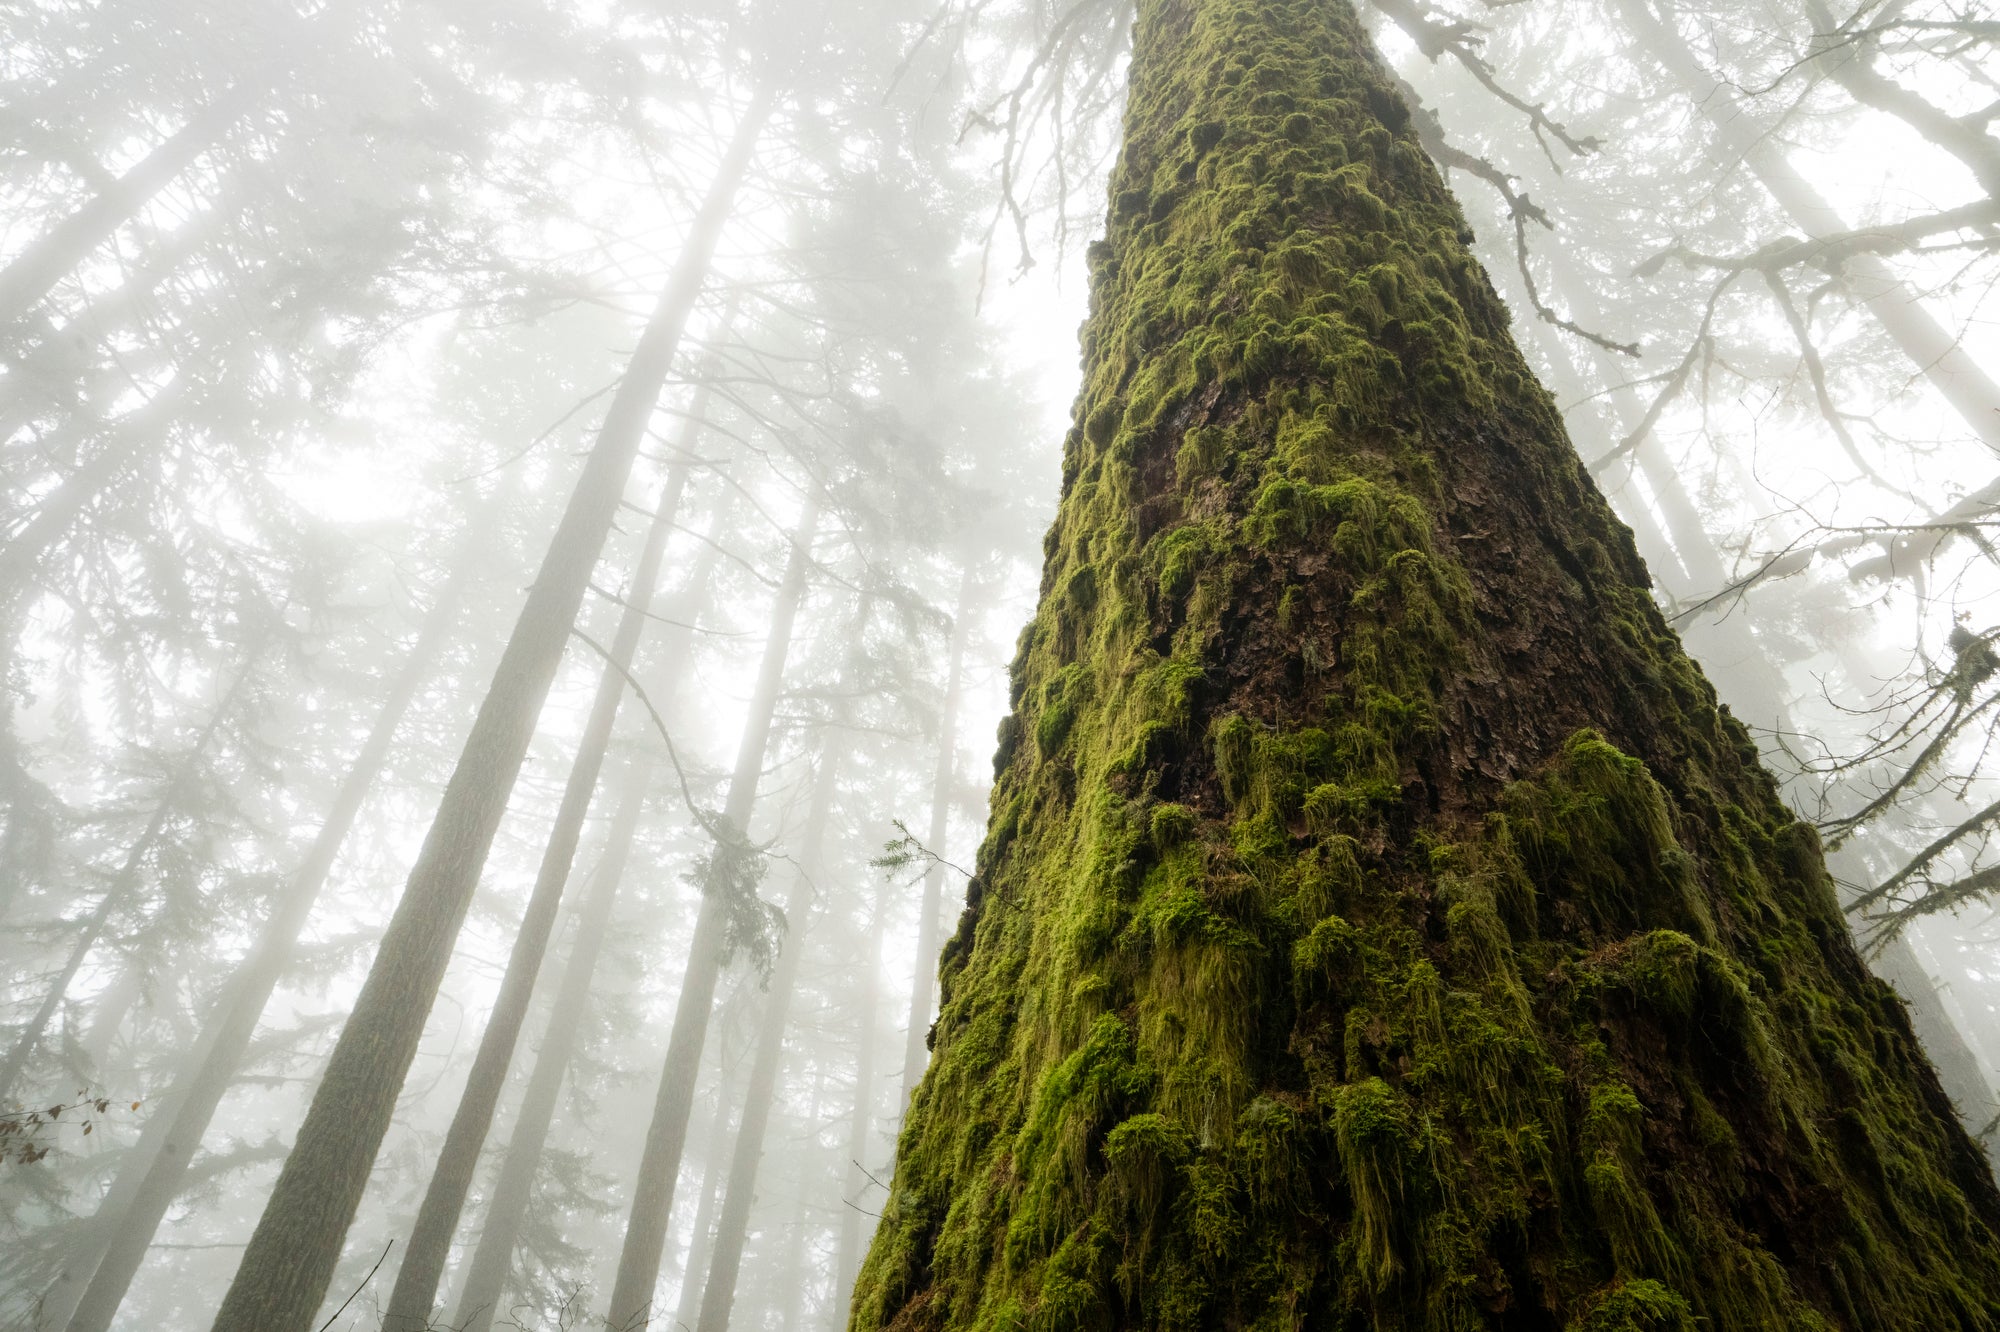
(666, 1133)
(726, 1261)
(415, 1292)
(125, 1222)
(513, 1188)
(293, 1251)
(1380, 924)
(923, 988)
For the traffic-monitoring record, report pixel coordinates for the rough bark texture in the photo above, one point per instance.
(1380, 926)
(292, 1253)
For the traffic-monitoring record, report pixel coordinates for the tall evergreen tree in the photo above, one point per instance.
(1380, 923)
(290, 1260)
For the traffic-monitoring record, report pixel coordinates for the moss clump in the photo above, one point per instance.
(1380, 926)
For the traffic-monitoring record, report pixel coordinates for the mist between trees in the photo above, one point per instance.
(517, 519)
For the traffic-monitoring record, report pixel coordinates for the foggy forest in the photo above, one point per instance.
(999, 664)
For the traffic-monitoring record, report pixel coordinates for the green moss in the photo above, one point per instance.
(1637, 1306)
(1380, 926)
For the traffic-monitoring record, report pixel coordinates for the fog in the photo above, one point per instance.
(517, 515)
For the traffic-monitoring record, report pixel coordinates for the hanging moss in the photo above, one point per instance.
(1381, 927)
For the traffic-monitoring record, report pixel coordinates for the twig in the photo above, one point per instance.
(358, 1289)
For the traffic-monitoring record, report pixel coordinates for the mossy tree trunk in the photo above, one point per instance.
(1380, 925)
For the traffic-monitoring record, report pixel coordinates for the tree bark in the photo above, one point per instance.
(99, 1271)
(666, 1133)
(1755, 685)
(923, 987)
(1380, 924)
(292, 1253)
(513, 1189)
(719, 1292)
(415, 1291)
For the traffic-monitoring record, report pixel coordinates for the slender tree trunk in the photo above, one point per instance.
(99, 1269)
(55, 254)
(1380, 924)
(108, 1016)
(415, 1292)
(1850, 61)
(513, 1189)
(666, 1134)
(719, 1292)
(714, 1172)
(861, 1119)
(126, 441)
(123, 885)
(923, 987)
(292, 1253)
(792, 1283)
(492, 1259)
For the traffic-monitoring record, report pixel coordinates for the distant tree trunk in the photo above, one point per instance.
(861, 1118)
(714, 1136)
(492, 1258)
(666, 1134)
(126, 441)
(1380, 924)
(123, 885)
(99, 1268)
(513, 1189)
(944, 781)
(415, 1292)
(92, 928)
(794, 1278)
(719, 1292)
(55, 254)
(108, 1014)
(292, 1253)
